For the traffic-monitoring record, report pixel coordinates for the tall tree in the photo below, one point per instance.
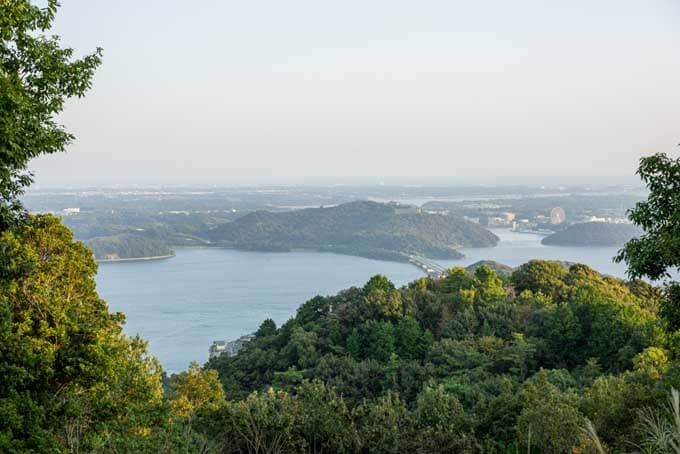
(37, 76)
(68, 374)
(657, 252)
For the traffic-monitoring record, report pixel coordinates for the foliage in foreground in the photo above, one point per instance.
(37, 76)
(468, 363)
(70, 376)
(527, 358)
(656, 254)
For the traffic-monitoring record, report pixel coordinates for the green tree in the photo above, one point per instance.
(489, 285)
(546, 277)
(408, 337)
(457, 279)
(550, 419)
(195, 390)
(442, 422)
(37, 76)
(267, 328)
(301, 350)
(312, 310)
(379, 343)
(385, 425)
(68, 373)
(657, 252)
(612, 404)
(325, 421)
(380, 305)
(354, 344)
(652, 362)
(352, 379)
(439, 410)
(378, 282)
(264, 423)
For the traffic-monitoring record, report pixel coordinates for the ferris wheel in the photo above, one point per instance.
(557, 216)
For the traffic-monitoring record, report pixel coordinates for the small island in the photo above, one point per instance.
(128, 247)
(593, 234)
(366, 229)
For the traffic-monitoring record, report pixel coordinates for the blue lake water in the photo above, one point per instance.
(181, 305)
(517, 248)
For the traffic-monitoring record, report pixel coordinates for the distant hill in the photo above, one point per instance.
(506, 270)
(127, 246)
(368, 229)
(499, 268)
(593, 234)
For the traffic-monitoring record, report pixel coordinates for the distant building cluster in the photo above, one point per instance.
(609, 219)
(503, 220)
(230, 348)
(540, 223)
(548, 224)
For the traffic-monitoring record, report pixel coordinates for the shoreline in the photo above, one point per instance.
(136, 259)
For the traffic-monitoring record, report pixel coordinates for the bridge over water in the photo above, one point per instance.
(432, 269)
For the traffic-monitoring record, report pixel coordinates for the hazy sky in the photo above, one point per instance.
(229, 92)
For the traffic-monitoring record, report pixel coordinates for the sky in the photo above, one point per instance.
(269, 91)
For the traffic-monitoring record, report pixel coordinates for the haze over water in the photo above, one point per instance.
(183, 304)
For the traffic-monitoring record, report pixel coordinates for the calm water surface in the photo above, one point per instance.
(517, 248)
(182, 304)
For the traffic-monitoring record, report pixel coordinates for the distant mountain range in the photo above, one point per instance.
(593, 234)
(368, 229)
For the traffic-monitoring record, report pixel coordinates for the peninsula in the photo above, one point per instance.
(364, 228)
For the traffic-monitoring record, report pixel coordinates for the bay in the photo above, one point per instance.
(181, 305)
(516, 248)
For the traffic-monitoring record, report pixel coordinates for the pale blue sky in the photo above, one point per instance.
(226, 92)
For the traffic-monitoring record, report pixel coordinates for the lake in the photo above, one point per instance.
(182, 304)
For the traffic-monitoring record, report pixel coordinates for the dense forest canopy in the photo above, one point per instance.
(593, 234)
(358, 228)
(493, 357)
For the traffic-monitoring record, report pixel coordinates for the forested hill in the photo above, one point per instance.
(470, 363)
(593, 234)
(357, 228)
(127, 246)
